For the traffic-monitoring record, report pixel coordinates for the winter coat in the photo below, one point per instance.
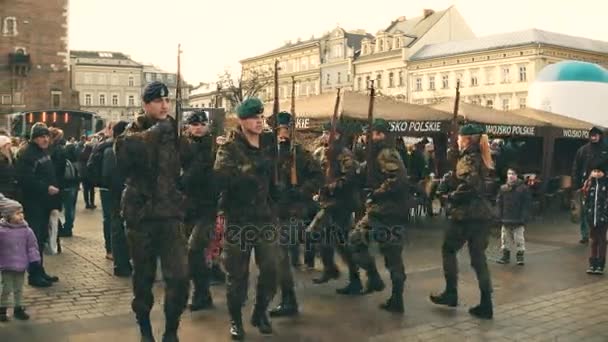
(8, 177)
(59, 155)
(35, 173)
(245, 180)
(197, 180)
(585, 156)
(342, 186)
(596, 201)
(18, 247)
(513, 203)
(147, 156)
(97, 162)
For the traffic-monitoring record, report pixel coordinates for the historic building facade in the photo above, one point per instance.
(207, 95)
(384, 58)
(494, 71)
(34, 76)
(108, 83)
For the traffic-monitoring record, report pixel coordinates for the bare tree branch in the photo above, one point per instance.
(238, 90)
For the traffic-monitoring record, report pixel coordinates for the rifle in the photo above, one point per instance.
(370, 121)
(454, 126)
(332, 137)
(293, 172)
(178, 93)
(275, 114)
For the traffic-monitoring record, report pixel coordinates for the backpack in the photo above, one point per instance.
(70, 174)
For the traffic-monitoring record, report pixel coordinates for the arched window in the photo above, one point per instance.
(10, 27)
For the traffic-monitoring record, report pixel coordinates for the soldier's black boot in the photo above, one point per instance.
(506, 257)
(20, 313)
(449, 296)
(145, 329)
(288, 306)
(519, 258)
(3, 315)
(171, 326)
(395, 302)
(201, 300)
(484, 310)
(327, 275)
(259, 319)
(237, 332)
(374, 283)
(591, 268)
(354, 286)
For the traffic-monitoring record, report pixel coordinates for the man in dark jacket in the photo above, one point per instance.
(94, 171)
(40, 189)
(70, 189)
(197, 157)
(595, 150)
(513, 204)
(147, 155)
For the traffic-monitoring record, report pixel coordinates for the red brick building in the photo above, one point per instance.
(34, 57)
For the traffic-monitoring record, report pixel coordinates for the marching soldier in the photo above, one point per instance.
(384, 217)
(197, 157)
(470, 214)
(147, 155)
(338, 199)
(244, 171)
(295, 204)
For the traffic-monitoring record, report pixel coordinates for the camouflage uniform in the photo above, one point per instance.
(294, 207)
(197, 157)
(386, 214)
(244, 176)
(338, 199)
(470, 214)
(151, 205)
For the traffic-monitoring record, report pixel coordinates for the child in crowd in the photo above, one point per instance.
(513, 204)
(18, 248)
(595, 191)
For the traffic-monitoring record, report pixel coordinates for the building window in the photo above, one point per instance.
(304, 64)
(367, 79)
(114, 100)
(445, 81)
(131, 81)
(9, 29)
(327, 79)
(473, 80)
(87, 99)
(419, 84)
(522, 102)
(401, 78)
(56, 99)
(339, 78)
(490, 76)
(381, 46)
(6, 100)
(522, 74)
(358, 83)
(391, 80)
(505, 75)
(397, 43)
(490, 104)
(505, 104)
(348, 77)
(148, 77)
(102, 99)
(379, 81)
(171, 78)
(131, 101)
(431, 82)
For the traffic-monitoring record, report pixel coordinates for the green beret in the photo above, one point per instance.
(381, 125)
(471, 129)
(250, 108)
(283, 119)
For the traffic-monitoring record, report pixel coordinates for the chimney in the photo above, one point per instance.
(427, 13)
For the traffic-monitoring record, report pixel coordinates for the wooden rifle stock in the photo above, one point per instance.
(369, 143)
(293, 172)
(332, 137)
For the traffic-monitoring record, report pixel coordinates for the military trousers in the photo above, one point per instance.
(200, 237)
(476, 235)
(336, 226)
(149, 240)
(240, 240)
(290, 231)
(390, 239)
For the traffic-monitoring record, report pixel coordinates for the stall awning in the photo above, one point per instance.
(568, 127)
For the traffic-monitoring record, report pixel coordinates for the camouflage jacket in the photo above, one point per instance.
(340, 189)
(146, 154)
(297, 199)
(197, 157)
(244, 178)
(389, 188)
(466, 188)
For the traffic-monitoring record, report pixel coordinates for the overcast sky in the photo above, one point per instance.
(215, 35)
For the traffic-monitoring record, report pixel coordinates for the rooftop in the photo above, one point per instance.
(511, 39)
(99, 54)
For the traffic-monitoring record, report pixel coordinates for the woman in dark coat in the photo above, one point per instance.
(8, 180)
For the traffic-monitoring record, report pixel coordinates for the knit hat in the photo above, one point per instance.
(8, 207)
(39, 129)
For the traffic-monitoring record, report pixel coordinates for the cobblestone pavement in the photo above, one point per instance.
(549, 299)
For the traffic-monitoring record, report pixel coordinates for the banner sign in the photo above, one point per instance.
(511, 130)
(575, 133)
(417, 126)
